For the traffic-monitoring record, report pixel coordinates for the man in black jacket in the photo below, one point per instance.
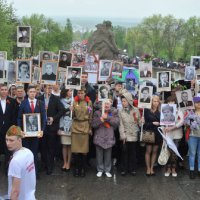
(55, 110)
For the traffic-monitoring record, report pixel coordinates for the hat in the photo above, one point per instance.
(14, 131)
(128, 96)
(196, 99)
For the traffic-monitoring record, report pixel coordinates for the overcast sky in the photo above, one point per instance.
(108, 8)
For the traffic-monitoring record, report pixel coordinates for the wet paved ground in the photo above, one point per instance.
(63, 186)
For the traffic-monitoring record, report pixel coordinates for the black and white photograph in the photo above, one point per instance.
(145, 94)
(73, 77)
(117, 68)
(49, 72)
(45, 55)
(167, 114)
(105, 67)
(23, 36)
(3, 55)
(65, 125)
(65, 59)
(91, 63)
(198, 78)
(11, 72)
(185, 100)
(197, 89)
(61, 76)
(103, 92)
(23, 71)
(31, 124)
(145, 70)
(190, 73)
(163, 81)
(2, 67)
(195, 61)
(36, 75)
(78, 59)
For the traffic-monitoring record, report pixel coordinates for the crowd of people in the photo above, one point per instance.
(79, 120)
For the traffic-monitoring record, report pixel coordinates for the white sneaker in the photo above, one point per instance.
(174, 174)
(108, 174)
(99, 174)
(167, 174)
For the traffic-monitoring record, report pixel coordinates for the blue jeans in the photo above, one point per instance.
(194, 147)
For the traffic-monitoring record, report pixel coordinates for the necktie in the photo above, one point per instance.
(32, 107)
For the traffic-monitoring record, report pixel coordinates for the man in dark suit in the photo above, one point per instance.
(164, 79)
(185, 102)
(65, 60)
(7, 119)
(145, 95)
(55, 110)
(74, 80)
(145, 72)
(105, 69)
(49, 75)
(32, 105)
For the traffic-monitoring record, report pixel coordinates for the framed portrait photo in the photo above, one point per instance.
(23, 71)
(91, 63)
(61, 75)
(73, 78)
(45, 55)
(103, 92)
(36, 75)
(195, 61)
(2, 70)
(190, 73)
(49, 72)
(65, 59)
(3, 55)
(78, 59)
(23, 36)
(11, 72)
(163, 81)
(185, 99)
(32, 124)
(167, 114)
(145, 70)
(105, 67)
(145, 94)
(117, 68)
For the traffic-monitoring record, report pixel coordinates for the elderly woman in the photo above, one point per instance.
(104, 124)
(151, 123)
(176, 133)
(129, 127)
(82, 116)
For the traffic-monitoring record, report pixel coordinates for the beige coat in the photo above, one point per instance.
(129, 125)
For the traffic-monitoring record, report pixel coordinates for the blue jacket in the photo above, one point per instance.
(25, 109)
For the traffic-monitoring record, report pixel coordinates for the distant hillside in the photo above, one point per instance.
(83, 24)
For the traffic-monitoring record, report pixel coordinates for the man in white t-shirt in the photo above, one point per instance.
(21, 172)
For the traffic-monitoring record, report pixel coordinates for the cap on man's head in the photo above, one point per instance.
(196, 99)
(14, 131)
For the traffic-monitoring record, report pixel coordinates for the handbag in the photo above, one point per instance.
(148, 137)
(164, 154)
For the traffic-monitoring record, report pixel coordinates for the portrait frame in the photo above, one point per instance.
(180, 101)
(2, 70)
(145, 103)
(145, 70)
(28, 130)
(117, 68)
(101, 87)
(46, 78)
(195, 61)
(41, 56)
(73, 83)
(24, 41)
(160, 85)
(3, 55)
(91, 63)
(190, 73)
(172, 120)
(104, 72)
(68, 62)
(61, 75)
(11, 77)
(197, 88)
(36, 75)
(27, 78)
(78, 59)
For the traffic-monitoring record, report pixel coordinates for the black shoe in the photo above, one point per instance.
(123, 173)
(192, 176)
(82, 174)
(133, 173)
(76, 173)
